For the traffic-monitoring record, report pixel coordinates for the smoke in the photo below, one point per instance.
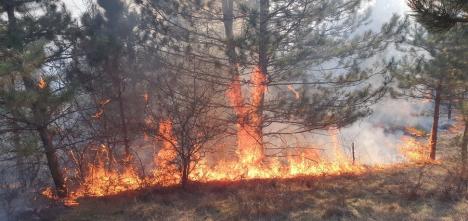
(377, 137)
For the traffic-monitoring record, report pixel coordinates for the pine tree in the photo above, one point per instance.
(301, 46)
(107, 67)
(31, 98)
(439, 15)
(434, 69)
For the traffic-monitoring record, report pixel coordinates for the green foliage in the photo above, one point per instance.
(308, 44)
(33, 91)
(439, 15)
(432, 59)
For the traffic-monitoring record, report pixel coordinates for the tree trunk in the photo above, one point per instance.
(124, 127)
(449, 111)
(435, 123)
(39, 110)
(249, 116)
(464, 145)
(9, 7)
(228, 20)
(40, 115)
(263, 69)
(52, 162)
(184, 178)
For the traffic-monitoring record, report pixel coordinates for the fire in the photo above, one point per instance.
(146, 97)
(98, 114)
(299, 162)
(294, 91)
(102, 179)
(42, 83)
(166, 172)
(249, 120)
(415, 132)
(413, 150)
(100, 110)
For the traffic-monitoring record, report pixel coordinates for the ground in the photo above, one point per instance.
(410, 192)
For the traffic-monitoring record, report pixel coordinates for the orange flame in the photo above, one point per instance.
(249, 117)
(166, 172)
(102, 180)
(42, 83)
(98, 114)
(413, 151)
(146, 97)
(299, 162)
(294, 91)
(250, 163)
(415, 132)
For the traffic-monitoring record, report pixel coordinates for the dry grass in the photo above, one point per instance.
(416, 192)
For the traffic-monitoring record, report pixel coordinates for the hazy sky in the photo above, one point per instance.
(382, 9)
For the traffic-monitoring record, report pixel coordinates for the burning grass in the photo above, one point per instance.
(379, 195)
(102, 181)
(250, 161)
(419, 190)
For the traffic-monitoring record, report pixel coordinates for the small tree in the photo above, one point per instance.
(190, 119)
(107, 67)
(33, 97)
(432, 70)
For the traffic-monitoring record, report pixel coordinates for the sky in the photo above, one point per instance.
(382, 9)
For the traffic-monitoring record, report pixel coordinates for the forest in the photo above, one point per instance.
(233, 110)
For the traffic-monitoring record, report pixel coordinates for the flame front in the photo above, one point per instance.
(102, 179)
(299, 162)
(166, 172)
(413, 150)
(249, 117)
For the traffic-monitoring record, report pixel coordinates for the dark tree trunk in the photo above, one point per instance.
(112, 70)
(262, 63)
(263, 36)
(9, 7)
(52, 162)
(228, 21)
(464, 145)
(41, 117)
(435, 122)
(124, 127)
(449, 111)
(184, 178)
(38, 108)
(10, 10)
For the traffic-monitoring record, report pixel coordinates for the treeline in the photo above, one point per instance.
(214, 69)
